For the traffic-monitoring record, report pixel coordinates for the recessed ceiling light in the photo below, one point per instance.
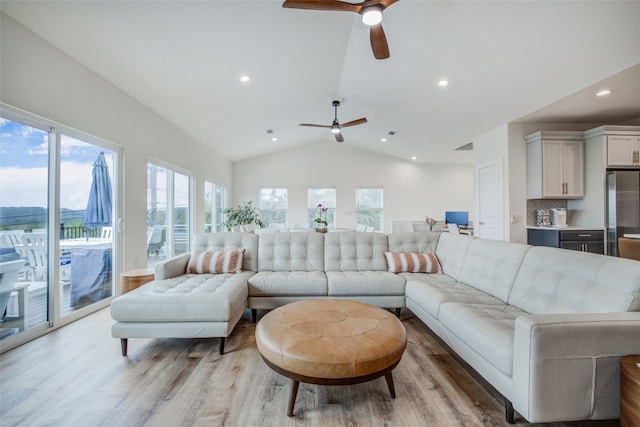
(384, 140)
(414, 158)
(245, 78)
(443, 83)
(604, 92)
(274, 139)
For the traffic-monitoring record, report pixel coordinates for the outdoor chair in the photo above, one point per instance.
(155, 240)
(8, 278)
(34, 249)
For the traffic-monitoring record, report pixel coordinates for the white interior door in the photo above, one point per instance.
(490, 224)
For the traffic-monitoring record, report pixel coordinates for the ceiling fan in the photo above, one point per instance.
(336, 126)
(371, 11)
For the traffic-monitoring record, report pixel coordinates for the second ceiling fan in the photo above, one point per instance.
(371, 11)
(336, 126)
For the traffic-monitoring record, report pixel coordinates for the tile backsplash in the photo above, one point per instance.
(534, 204)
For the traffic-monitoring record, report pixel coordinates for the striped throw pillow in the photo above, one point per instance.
(412, 263)
(215, 261)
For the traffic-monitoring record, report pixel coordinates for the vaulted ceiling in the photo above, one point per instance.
(505, 61)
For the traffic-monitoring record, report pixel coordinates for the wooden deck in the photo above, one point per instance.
(37, 308)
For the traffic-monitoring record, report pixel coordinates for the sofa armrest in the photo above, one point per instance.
(566, 366)
(172, 267)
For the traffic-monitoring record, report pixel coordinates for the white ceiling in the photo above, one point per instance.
(505, 61)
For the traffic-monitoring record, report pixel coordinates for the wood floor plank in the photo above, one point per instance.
(76, 376)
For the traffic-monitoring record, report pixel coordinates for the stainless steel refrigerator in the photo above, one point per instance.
(623, 206)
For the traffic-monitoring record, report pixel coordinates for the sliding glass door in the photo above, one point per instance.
(87, 234)
(57, 236)
(24, 219)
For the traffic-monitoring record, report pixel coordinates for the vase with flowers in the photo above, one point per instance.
(430, 222)
(320, 221)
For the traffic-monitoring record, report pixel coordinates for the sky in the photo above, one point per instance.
(24, 156)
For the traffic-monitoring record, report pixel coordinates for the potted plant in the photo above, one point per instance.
(321, 220)
(243, 214)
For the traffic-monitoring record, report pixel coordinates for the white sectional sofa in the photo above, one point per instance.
(546, 327)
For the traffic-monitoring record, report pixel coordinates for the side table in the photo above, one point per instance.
(133, 279)
(630, 390)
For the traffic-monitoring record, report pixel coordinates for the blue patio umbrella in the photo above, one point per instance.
(98, 212)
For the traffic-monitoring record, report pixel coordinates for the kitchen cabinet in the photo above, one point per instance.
(623, 150)
(555, 165)
(583, 240)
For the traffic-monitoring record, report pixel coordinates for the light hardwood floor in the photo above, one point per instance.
(76, 377)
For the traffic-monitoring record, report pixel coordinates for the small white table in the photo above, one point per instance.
(19, 322)
(632, 236)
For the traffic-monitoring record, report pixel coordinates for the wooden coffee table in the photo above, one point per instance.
(331, 342)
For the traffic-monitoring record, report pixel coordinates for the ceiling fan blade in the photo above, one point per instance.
(386, 3)
(378, 42)
(339, 137)
(314, 126)
(356, 122)
(322, 5)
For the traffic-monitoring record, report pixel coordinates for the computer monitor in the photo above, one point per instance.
(460, 218)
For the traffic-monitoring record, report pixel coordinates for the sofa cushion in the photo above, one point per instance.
(291, 252)
(355, 251)
(553, 280)
(229, 241)
(419, 242)
(412, 262)
(491, 266)
(364, 283)
(186, 298)
(290, 283)
(430, 291)
(451, 251)
(215, 261)
(485, 328)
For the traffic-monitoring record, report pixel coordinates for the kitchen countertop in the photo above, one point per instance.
(568, 228)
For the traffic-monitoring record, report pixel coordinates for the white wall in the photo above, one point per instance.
(490, 148)
(40, 79)
(411, 191)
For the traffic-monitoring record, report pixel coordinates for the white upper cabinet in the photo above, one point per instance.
(623, 150)
(555, 165)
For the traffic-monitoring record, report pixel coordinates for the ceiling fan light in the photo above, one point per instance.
(335, 129)
(372, 15)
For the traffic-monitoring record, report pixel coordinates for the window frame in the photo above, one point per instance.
(277, 212)
(379, 210)
(312, 206)
(170, 209)
(217, 213)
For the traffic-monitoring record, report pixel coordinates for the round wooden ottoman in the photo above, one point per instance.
(331, 342)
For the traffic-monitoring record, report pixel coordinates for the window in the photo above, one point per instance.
(273, 205)
(369, 207)
(325, 197)
(168, 213)
(215, 202)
